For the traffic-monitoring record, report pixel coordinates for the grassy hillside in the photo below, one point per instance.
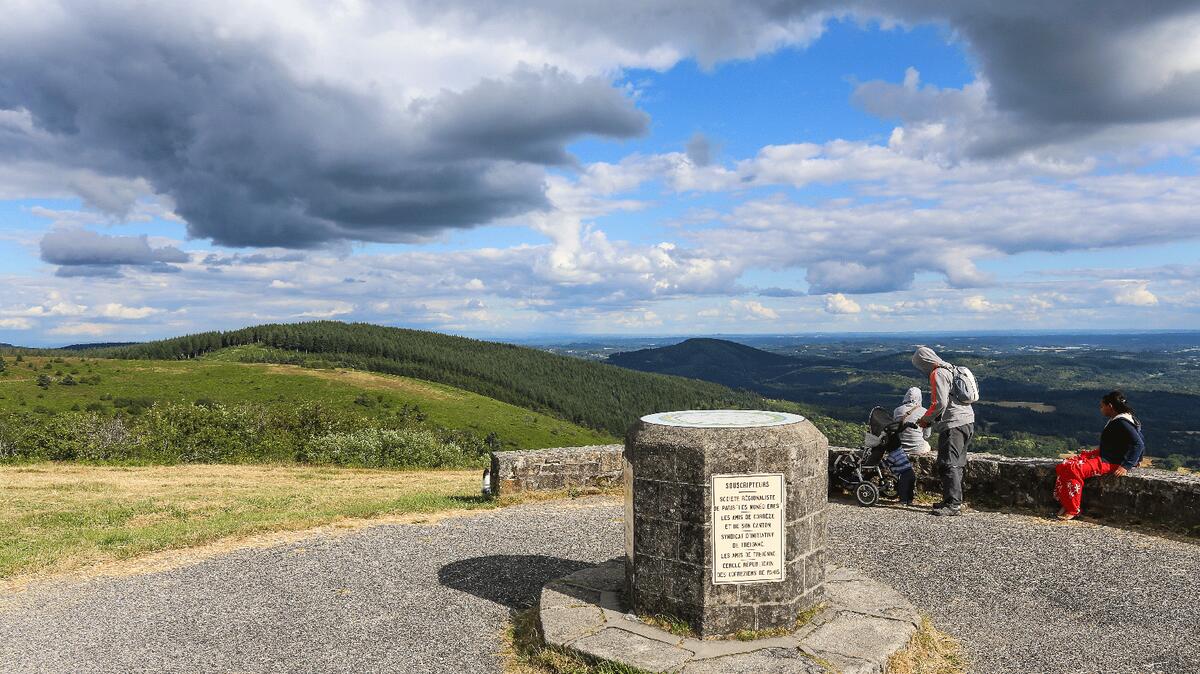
(589, 394)
(110, 386)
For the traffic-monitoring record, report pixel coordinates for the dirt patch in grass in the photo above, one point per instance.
(930, 651)
(367, 380)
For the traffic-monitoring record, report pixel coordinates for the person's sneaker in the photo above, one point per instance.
(946, 511)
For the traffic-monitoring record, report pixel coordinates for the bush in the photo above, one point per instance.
(169, 433)
(381, 448)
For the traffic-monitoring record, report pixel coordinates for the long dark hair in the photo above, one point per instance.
(1118, 402)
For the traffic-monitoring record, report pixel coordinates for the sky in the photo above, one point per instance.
(508, 169)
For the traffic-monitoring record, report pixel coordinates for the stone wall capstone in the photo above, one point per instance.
(1151, 497)
(1144, 496)
(596, 466)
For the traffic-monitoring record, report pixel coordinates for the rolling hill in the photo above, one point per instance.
(715, 360)
(110, 386)
(595, 395)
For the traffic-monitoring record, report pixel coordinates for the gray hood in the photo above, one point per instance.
(925, 360)
(911, 397)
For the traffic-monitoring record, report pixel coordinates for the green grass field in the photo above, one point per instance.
(106, 384)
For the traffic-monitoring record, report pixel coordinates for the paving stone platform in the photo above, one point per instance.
(863, 623)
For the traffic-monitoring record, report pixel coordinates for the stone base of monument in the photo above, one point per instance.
(862, 623)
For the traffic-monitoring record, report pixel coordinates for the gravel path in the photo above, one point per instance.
(433, 598)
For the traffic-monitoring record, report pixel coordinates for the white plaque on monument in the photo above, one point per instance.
(747, 528)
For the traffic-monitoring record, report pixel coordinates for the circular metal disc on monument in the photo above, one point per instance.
(725, 518)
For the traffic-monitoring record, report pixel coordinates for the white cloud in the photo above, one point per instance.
(16, 324)
(122, 312)
(840, 304)
(982, 305)
(1133, 293)
(750, 309)
(82, 328)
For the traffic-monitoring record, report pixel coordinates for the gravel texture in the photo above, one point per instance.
(1022, 594)
(1031, 595)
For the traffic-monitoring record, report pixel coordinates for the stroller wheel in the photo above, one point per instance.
(866, 493)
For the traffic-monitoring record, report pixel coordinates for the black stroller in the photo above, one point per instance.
(863, 472)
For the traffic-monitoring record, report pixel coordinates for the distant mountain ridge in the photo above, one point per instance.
(96, 345)
(709, 359)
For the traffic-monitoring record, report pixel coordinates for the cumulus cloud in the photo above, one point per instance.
(16, 324)
(840, 304)
(749, 309)
(1133, 293)
(254, 154)
(122, 312)
(263, 130)
(87, 329)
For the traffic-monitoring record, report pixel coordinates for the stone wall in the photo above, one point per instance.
(560, 468)
(1145, 496)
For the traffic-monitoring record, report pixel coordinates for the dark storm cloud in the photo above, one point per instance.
(252, 157)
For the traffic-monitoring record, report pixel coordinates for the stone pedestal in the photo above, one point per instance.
(725, 518)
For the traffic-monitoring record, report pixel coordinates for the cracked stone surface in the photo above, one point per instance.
(863, 624)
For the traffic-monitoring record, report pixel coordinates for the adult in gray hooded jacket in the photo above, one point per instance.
(954, 424)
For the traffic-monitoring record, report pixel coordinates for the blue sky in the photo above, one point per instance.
(597, 169)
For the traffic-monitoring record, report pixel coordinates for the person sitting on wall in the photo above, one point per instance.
(1121, 448)
(913, 439)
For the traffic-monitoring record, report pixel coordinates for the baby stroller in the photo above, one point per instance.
(863, 472)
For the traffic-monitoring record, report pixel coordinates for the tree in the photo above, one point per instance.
(43, 380)
(2, 365)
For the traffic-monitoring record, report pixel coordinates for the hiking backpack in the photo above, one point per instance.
(964, 389)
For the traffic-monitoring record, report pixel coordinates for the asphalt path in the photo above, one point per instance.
(1021, 594)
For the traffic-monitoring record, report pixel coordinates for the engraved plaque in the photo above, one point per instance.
(747, 528)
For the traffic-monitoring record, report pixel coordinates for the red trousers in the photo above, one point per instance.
(1071, 474)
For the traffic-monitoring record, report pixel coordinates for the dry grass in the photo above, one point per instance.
(929, 652)
(57, 518)
(523, 651)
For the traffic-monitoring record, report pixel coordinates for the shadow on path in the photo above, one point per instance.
(514, 581)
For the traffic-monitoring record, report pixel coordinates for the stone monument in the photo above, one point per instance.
(725, 518)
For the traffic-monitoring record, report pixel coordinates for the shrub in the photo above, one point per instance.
(381, 448)
(166, 433)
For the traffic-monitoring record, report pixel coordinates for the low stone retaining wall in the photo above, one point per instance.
(1146, 496)
(561, 468)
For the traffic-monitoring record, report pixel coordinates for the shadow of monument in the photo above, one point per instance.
(514, 581)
